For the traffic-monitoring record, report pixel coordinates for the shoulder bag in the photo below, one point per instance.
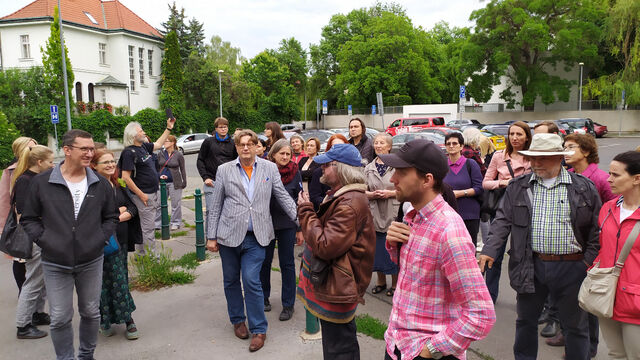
(14, 240)
(598, 290)
(491, 198)
(112, 246)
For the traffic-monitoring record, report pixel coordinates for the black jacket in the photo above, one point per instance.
(127, 232)
(514, 217)
(49, 218)
(279, 217)
(365, 147)
(214, 153)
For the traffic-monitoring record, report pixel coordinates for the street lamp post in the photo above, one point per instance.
(580, 92)
(220, 89)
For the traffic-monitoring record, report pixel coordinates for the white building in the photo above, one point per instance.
(115, 55)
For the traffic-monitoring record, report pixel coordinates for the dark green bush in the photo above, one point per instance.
(8, 133)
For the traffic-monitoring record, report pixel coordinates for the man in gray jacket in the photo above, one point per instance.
(240, 227)
(552, 218)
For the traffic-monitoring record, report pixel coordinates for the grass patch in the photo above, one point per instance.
(188, 197)
(370, 326)
(158, 234)
(188, 261)
(187, 225)
(158, 271)
(275, 268)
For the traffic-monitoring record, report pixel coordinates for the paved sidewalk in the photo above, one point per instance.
(191, 322)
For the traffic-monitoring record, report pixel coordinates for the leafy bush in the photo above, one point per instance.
(8, 133)
(397, 100)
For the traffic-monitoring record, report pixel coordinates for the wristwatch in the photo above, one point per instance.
(435, 353)
(465, 193)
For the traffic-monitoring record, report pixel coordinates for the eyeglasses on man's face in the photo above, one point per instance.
(84, 150)
(246, 145)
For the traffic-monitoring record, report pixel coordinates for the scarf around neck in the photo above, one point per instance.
(288, 172)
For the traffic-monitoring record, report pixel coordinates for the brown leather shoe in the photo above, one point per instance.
(557, 340)
(241, 331)
(257, 342)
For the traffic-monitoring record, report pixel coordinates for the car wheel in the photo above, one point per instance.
(181, 150)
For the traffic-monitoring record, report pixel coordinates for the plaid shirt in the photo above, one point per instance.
(440, 294)
(551, 230)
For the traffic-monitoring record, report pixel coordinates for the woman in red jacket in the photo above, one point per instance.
(617, 218)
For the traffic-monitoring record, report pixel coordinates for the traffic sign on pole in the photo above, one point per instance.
(373, 109)
(54, 114)
(349, 110)
(463, 91)
(325, 107)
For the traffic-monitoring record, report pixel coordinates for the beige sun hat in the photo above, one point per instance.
(545, 145)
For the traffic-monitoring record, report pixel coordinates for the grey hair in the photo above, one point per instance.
(472, 137)
(130, 132)
(277, 146)
(349, 174)
(296, 136)
(388, 138)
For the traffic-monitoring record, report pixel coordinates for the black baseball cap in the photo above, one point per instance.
(421, 154)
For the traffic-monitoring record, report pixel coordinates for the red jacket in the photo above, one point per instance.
(612, 238)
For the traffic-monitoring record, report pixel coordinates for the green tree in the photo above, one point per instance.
(8, 133)
(294, 57)
(194, 37)
(190, 36)
(526, 40)
(52, 63)
(271, 93)
(172, 93)
(222, 54)
(390, 56)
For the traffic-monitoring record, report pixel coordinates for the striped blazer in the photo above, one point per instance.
(228, 219)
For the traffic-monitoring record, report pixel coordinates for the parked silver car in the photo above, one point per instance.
(190, 143)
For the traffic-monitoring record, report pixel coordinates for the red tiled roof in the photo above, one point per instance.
(116, 15)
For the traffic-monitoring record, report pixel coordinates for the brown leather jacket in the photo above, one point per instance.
(342, 232)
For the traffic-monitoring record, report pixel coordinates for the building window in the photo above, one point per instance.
(102, 53)
(25, 47)
(132, 71)
(150, 61)
(91, 99)
(103, 95)
(78, 91)
(141, 64)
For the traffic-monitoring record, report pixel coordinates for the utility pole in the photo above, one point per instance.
(64, 70)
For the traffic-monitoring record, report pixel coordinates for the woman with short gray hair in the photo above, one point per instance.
(384, 208)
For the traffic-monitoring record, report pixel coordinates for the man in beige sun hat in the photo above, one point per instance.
(552, 216)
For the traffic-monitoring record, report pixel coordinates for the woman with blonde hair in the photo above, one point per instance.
(30, 309)
(17, 147)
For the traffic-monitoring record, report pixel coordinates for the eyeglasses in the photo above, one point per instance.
(85, 150)
(248, 146)
(326, 165)
(108, 162)
(571, 147)
(222, 127)
(451, 144)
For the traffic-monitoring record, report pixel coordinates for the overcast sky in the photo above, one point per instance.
(255, 25)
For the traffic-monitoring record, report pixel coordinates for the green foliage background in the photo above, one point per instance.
(8, 133)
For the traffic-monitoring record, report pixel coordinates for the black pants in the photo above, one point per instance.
(339, 341)
(399, 356)
(19, 273)
(473, 226)
(562, 280)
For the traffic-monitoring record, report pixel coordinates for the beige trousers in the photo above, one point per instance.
(623, 339)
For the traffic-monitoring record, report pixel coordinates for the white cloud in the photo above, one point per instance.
(255, 25)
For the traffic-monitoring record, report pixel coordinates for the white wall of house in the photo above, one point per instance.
(83, 46)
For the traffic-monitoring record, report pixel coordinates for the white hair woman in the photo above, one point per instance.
(285, 232)
(384, 208)
(297, 148)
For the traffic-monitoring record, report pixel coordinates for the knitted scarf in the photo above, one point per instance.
(288, 172)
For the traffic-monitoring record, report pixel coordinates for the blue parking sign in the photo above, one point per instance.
(373, 109)
(54, 114)
(462, 91)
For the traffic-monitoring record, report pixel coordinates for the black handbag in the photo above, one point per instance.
(491, 198)
(14, 240)
(318, 270)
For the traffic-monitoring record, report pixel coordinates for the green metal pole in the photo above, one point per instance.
(164, 210)
(312, 323)
(200, 242)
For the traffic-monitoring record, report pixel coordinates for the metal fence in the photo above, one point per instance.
(366, 111)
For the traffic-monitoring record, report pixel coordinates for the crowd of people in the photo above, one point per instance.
(419, 215)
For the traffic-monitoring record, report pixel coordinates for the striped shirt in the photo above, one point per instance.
(551, 230)
(440, 294)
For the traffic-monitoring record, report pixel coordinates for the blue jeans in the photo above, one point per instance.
(286, 240)
(87, 279)
(492, 275)
(246, 259)
(561, 279)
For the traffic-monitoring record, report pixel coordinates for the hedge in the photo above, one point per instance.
(8, 133)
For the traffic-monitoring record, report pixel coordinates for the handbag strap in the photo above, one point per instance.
(166, 162)
(628, 244)
(510, 168)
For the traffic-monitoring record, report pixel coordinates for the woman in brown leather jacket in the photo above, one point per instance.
(338, 259)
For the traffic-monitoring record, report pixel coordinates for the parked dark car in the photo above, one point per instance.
(500, 129)
(585, 124)
(600, 130)
(461, 122)
(322, 135)
(400, 140)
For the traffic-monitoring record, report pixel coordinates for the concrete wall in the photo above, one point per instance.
(630, 118)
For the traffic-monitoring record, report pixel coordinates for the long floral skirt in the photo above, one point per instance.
(116, 302)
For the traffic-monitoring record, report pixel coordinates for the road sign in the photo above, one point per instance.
(349, 110)
(325, 107)
(54, 114)
(373, 109)
(463, 91)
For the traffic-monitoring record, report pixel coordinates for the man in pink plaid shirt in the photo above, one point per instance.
(441, 303)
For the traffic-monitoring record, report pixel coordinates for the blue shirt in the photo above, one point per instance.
(249, 185)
